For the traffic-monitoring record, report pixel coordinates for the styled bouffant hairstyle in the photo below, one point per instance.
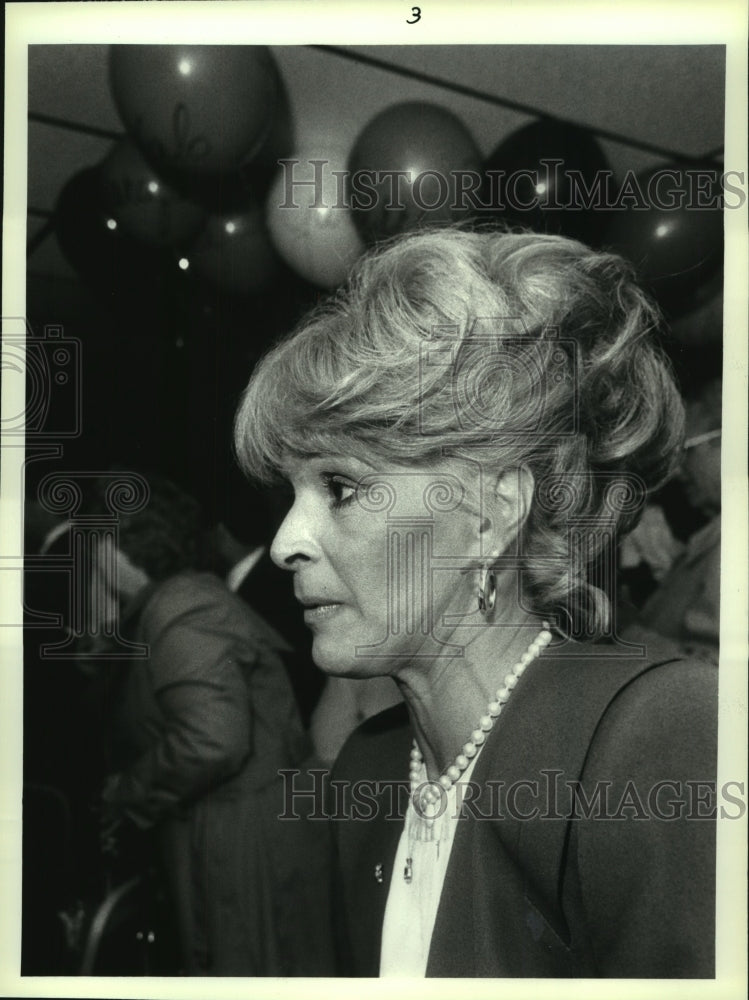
(511, 349)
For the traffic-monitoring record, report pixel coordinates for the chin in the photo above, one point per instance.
(331, 657)
(340, 660)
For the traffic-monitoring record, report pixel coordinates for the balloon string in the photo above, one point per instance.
(41, 234)
(715, 154)
(104, 133)
(49, 226)
(460, 88)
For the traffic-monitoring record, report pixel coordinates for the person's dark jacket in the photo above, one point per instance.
(622, 886)
(210, 719)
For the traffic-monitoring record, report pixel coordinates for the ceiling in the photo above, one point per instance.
(657, 100)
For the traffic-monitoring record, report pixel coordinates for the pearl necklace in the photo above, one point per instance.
(427, 795)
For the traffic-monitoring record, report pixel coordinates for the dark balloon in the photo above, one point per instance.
(234, 253)
(676, 240)
(703, 325)
(200, 109)
(238, 190)
(546, 178)
(109, 261)
(429, 143)
(142, 204)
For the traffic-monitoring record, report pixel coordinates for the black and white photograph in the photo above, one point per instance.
(374, 493)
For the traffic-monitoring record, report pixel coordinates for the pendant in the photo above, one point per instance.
(408, 871)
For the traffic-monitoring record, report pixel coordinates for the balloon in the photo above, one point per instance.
(320, 243)
(429, 143)
(279, 143)
(197, 108)
(240, 189)
(694, 340)
(675, 240)
(703, 326)
(141, 204)
(109, 260)
(234, 253)
(533, 187)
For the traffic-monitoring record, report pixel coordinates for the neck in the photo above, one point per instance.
(447, 696)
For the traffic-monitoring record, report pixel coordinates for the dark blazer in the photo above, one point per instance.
(545, 879)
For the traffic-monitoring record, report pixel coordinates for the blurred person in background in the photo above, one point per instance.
(202, 727)
(685, 606)
(240, 556)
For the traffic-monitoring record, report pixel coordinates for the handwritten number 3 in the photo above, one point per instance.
(416, 11)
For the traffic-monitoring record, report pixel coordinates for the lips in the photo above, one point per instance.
(318, 612)
(318, 608)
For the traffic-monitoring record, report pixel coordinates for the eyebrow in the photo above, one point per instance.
(332, 457)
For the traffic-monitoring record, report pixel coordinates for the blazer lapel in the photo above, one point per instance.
(368, 837)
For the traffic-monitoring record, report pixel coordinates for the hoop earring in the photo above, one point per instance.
(487, 590)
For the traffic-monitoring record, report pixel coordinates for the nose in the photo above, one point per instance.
(295, 542)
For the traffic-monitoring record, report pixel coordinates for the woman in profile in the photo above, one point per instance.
(468, 429)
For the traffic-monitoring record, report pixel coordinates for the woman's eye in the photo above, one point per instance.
(341, 490)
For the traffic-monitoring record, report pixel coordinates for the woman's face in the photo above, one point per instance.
(379, 558)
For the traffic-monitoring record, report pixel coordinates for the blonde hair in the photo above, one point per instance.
(519, 349)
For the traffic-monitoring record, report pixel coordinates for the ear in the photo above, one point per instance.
(510, 500)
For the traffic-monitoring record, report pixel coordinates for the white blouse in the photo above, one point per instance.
(411, 910)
